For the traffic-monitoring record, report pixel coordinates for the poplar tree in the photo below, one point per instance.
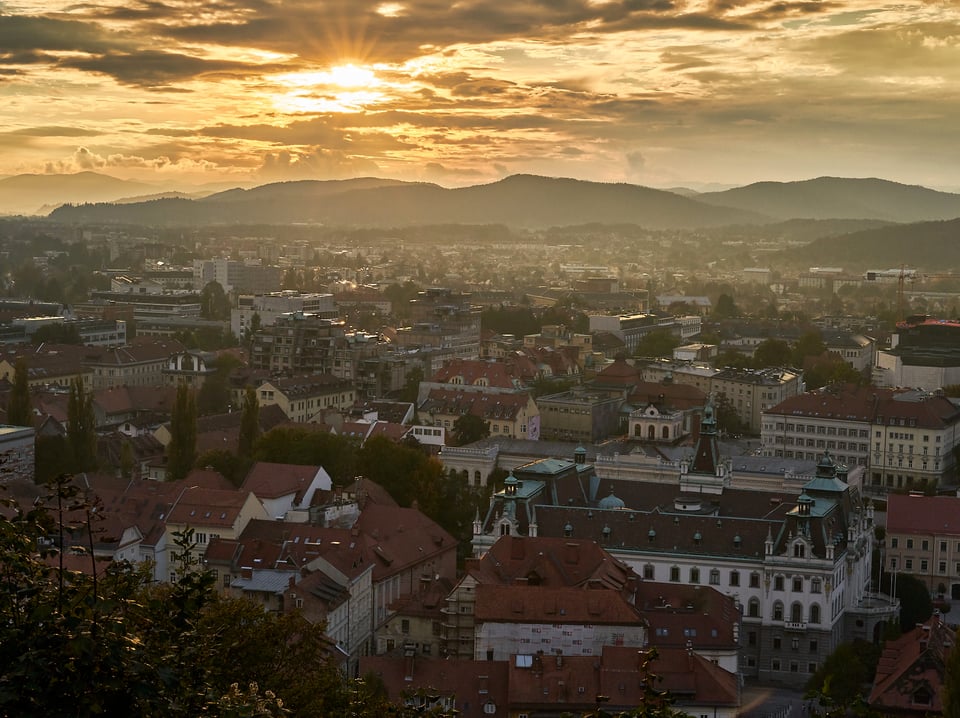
(81, 426)
(249, 422)
(19, 409)
(182, 450)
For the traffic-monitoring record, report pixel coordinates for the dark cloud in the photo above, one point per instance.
(52, 131)
(152, 67)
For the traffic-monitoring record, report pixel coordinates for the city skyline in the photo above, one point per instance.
(652, 92)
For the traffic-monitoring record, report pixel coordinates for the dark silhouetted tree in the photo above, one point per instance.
(19, 408)
(182, 450)
(81, 426)
(249, 422)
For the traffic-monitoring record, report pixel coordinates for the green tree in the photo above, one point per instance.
(19, 408)
(81, 426)
(182, 450)
(951, 681)
(249, 422)
(772, 353)
(469, 428)
(809, 344)
(127, 460)
(309, 447)
(657, 343)
(841, 678)
(233, 467)
(214, 302)
(411, 385)
(916, 606)
(59, 333)
(725, 308)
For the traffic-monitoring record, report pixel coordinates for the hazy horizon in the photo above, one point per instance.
(659, 93)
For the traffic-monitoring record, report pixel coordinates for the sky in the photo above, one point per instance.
(661, 93)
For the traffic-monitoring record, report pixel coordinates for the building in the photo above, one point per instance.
(797, 563)
(514, 415)
(909, 681)
(579, 414)
(146, 361)
(17, 453)
(269, 307)
(904, 438)
(750, 392)
(247, 277)
(307, 398)
(924, 353)
(923, 539)
(146, 307)
(629, 328)
(296, 343)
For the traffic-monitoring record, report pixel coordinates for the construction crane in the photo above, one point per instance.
(903, 276)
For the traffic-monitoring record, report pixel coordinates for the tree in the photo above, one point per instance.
(59, 333)
(411, 385)
(214, 302)
(249, 422)
(916, 606)
(725, 308)
(657, 343)
(182, 450)
(840, 680)
(127, 460)
(772, 353)
(81, 426)
(469, 428)
(112, 642)
(809, 344)
(304, 445)
(19, 408)
(951, 681)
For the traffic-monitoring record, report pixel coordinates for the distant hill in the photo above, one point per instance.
(520, 201)
(839, 198)
(30, 193)
(925, 245)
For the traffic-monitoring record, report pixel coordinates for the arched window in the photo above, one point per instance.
(796, 613)
(638, 431)
(815, 613)
(694, 575)
(666, 432)
(476, 478)
(799, 550)
(778, 611)
(652, 432)
(734, 578)
(753, 608)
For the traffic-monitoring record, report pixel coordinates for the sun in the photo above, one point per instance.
(342, 88)
(350, 76)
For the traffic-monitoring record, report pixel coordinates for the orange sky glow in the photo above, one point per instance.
(655, 92)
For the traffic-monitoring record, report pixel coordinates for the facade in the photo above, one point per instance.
(307, 398)
(146, 307)
(924, 354)
(923, 539)
(17, 452)
(904, 438)
(629, 328)
(247, 277)
(797, 565)
(269, 307)
(514, 415)
(580, 414)
(296, 343)
(442, 319)
(143, 362)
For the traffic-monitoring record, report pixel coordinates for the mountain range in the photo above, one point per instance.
(522, 201)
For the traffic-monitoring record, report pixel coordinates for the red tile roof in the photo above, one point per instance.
(931, 515)
(267, 480)
(486, 406)
(912, 666)
(545, 604)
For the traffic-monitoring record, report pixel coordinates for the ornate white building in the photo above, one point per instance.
(798, 564)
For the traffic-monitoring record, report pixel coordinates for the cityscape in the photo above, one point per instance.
(533, 360)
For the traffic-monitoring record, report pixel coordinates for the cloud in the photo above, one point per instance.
(317, 164)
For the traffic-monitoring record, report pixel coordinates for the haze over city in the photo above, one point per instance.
(659, 93)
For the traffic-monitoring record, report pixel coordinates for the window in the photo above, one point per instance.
(943, 545)
(797, 584)
(815, 613)
(648, 571)
(778, 583)
(714, 577)
(924, 565)
(777, 643)
(754, 580)
(814, 646)
(894, 542)
(674, 573)
(753, 608)
(942, 567)
(734, 578)
(909, 543)
(778, 611)
(815, 585)
(405, 626)
(694, 575)
(752, 638)
(908, 564)
(925, 545)
(796, 613)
